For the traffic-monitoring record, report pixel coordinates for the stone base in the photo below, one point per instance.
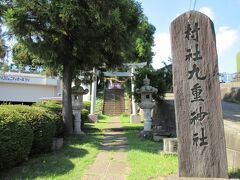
(175, 177)
(93, 118)
(170, 145)
(80, 133)
(135, 119)
(57, 144)
(160, 134)
(146, 134)
(161, 131)
(157, 138)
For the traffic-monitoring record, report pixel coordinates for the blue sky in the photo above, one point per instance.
(224, 14)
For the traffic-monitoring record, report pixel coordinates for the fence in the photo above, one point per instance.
(226, 77)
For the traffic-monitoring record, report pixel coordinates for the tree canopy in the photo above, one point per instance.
(81, 33)
(3, 47)
(144, 42)
(74, 35)
(22, 56)
(160, 79)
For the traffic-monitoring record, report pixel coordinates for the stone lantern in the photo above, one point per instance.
(146, 105)
(77, 105)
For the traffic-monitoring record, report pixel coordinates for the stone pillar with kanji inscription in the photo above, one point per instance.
(200, 131)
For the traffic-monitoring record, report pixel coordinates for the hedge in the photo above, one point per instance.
(84, 117)
(54, 109)
(42, 124)
(16, 138)
(87, 105)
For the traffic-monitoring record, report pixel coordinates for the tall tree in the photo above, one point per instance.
(3, 47)
(22, 56)
(73, 35)
(144, 41)
(160, 79)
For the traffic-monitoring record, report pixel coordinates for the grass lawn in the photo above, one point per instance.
(69, 163)
(144, 156)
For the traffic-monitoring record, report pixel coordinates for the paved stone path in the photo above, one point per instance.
(111, 163)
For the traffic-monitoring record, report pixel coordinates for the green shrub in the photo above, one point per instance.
(84, 117)
(59, 125)
(160, 79)
(42, 124)
(87, 105)
(55, 109)
(51, 105)
(16, 138)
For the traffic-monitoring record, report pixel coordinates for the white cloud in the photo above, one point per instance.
(226, 38)
(207, 11)
(162, 49)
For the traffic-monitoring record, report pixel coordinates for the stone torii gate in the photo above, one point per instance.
(134, 116)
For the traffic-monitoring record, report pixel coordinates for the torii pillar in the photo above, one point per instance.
(93, 116)
(134, 118)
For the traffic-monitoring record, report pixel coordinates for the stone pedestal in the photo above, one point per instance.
(147, 120)
(77, 122)
(170, 145)
(57, 144)
(93, 118)
(135, 119)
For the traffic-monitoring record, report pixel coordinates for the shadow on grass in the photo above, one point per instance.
(59, 163)
(46, 165)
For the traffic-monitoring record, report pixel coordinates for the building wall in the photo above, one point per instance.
(22, 87)
(232, 137)
(25, 92)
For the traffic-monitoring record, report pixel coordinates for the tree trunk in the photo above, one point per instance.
(67, 100)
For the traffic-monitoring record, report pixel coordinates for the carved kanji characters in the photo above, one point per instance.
(203, 139)
(196, 92)
(192, 33)
(198, 116)
(195, 72)
(194, 56)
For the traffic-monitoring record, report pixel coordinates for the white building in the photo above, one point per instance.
(29, 88)
(23, 87)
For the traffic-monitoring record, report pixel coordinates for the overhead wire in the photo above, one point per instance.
(195, 1)
(194, 5)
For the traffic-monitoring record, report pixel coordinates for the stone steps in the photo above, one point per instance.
(114, 103)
